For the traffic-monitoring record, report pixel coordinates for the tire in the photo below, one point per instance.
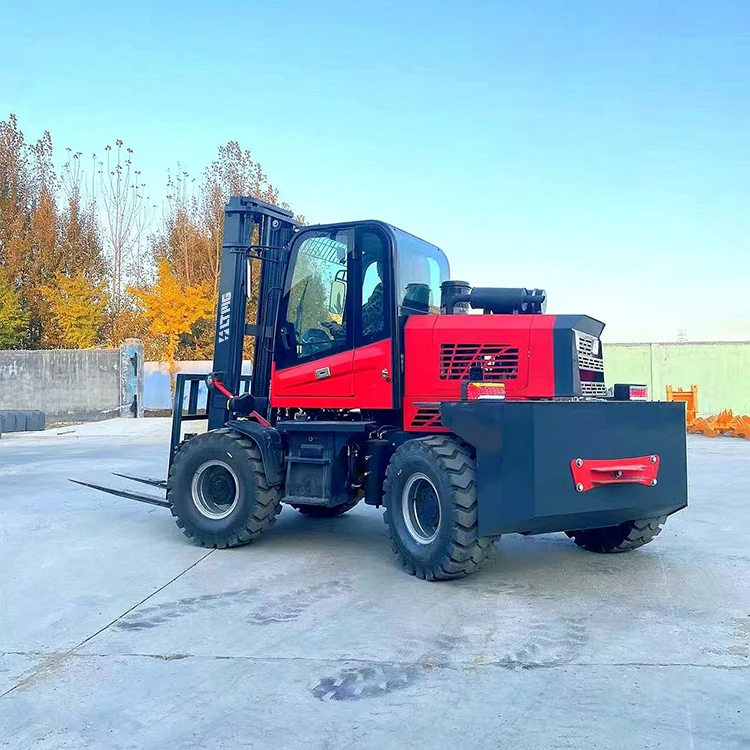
(429, 473)
(7, 421)
(325, 511)
(218, 491)
(623, 538)
(34, 420)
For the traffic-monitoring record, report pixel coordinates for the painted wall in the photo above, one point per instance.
(157, 392)
(720, 370)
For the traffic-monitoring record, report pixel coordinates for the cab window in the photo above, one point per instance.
(317, 295)
(374, 252)
(421, 269)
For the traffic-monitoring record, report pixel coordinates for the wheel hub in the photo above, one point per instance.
(420, 508)
(215, 489)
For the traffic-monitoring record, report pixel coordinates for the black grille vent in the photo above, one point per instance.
(427, 417)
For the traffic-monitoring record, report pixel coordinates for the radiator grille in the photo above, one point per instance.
(589, 351)
(589, 362)
(498, 361)
(593, 389)
(427, 417)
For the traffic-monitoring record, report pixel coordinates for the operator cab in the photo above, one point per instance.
(347, 291)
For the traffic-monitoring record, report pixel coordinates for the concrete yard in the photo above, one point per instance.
(116, 632)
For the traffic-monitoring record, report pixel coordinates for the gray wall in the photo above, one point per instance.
(73, 384)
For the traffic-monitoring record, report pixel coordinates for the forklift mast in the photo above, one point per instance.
(253, 230)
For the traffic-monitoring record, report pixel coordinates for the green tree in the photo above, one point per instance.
(13, 318)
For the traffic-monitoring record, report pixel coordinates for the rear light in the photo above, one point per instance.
(638, 393)
(482, 391)
(628, 392)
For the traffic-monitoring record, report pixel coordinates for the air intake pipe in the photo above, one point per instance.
(457, 297)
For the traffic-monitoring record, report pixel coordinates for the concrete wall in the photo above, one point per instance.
(720, 370)
(74, 384)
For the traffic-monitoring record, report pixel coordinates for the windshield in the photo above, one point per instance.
(420, 270)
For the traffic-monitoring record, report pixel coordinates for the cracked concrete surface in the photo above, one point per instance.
(116, 632)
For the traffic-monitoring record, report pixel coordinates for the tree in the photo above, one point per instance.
(13, 318)
(172, 310)
(233, 172)
(192, 232)
(77, 311)
(41, 259)
(125, 206)
(81, 246)
(14, 189)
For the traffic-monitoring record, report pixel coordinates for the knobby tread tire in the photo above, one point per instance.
(326, 511)
(259, 515)
(623, 538)
(462, 550)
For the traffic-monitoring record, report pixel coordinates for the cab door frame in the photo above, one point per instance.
(328, 379)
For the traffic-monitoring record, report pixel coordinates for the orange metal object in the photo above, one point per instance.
(723, 423)
(688, 397)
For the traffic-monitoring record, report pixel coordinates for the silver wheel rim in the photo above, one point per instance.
(420, 507)
(215, 489)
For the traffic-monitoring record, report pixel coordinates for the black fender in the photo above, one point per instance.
(268, 440)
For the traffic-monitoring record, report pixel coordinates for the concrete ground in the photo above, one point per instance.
(116, 632)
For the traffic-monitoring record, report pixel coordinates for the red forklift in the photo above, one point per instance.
(466, 412)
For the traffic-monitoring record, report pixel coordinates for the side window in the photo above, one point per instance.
(375, 317)
(316, 302)
(422, 268)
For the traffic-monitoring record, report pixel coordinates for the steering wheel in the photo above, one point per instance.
(336, 330)
(314, 340)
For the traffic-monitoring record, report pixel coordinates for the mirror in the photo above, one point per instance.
(338, 297)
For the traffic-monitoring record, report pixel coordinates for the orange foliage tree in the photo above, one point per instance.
(82, 263)
(172, 309)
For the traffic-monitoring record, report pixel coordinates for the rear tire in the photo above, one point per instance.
(623, 538)
(431, 508)
(326, 511)
(218, 491)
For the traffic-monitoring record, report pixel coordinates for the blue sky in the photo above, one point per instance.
(598, 149)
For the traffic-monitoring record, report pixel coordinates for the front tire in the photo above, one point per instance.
(431, 508)
(623, 538)
(218, 491)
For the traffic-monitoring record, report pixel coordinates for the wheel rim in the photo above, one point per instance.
(215, 490)
(420, 508)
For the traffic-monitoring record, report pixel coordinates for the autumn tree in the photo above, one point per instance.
(14, 199)
(77, 244)
(233, 172)
(38, 247)
(81, 247)
(13, 318)
(183, 237)
(172, 309)
(126, 208)
(77, 311)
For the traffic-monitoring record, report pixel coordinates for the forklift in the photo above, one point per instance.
(466, 412)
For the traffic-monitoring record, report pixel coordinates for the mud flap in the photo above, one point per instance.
(524, 454)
